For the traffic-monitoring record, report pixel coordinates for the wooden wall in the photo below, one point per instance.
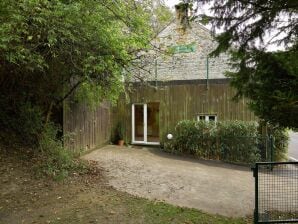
(179, 101)
(85, 128)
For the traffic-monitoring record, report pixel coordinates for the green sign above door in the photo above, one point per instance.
(188, 48)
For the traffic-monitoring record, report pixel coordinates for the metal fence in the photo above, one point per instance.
(276, 192)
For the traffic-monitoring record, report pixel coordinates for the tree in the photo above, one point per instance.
(161, 15)
(247, 29)
(49, 49)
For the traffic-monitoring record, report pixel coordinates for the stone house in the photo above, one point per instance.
(177, 80)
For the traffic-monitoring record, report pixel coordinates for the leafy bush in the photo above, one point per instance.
(22, 127)
(239, 141)
(280, 142)
(195, 138)
(234, 141)
(118, 133)
(21, 123)
(54, 160)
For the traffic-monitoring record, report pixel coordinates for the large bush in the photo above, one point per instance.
(280, 143)
(233, 141)
(196, 138)
(23, 127)
(21, 123)
(53, 159)
(239, 141)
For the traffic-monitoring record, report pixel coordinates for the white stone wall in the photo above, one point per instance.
(182, 66)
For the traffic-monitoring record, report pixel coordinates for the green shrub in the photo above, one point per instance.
(21, 123)
(195, 138)
(22, 126)
(54, 159)
(239, 141)
(234, 141)
(280, 143)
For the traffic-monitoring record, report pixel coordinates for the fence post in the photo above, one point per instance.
(218, 149)
(269, 148)
(256, 212)
(272, 148)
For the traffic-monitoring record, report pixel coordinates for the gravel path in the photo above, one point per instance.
(213, 187)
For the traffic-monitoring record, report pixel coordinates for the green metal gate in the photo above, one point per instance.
(276, 192)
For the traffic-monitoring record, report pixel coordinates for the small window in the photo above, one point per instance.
(207, 117)
(202, 118)
(212, 118)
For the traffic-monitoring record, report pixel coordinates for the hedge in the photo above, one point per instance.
(232, 141)
(281, 143)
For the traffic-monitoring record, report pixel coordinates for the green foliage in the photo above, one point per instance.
(271, 84)
(160, 212)
(281, 143)
(195, 138)
(21, 124)
(162, 15)
(247, 22)
(239, 141)
(54, 160)
(48, 49)
(22, 127)
(119, 135)
(233, 141)
(92, 94)
(251, 29)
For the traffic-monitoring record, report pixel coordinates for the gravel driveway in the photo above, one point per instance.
(210, 186)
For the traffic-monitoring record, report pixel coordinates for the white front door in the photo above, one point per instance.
(145, 118)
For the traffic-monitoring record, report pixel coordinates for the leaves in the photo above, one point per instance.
(46, 46)
(271, 84)
(51, 50)
(246, 30)
(234, 141)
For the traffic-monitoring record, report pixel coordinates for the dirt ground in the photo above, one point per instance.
(213, 187)
(24, 199)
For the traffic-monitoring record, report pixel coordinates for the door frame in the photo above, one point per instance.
(145, 125)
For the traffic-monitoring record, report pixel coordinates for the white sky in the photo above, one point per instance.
(171, 3)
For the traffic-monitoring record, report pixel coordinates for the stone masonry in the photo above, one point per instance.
(165, 64)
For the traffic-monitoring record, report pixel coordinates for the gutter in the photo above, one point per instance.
(292, 159)
(207, 73)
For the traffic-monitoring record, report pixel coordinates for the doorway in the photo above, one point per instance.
(145, 123)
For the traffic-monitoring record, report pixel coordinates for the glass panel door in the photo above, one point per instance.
(145, 123)
(153, 122)
(139, 122)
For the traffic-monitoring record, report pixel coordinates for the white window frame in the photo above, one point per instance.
(207, 117)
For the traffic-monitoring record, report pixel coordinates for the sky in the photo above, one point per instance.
(171, 3)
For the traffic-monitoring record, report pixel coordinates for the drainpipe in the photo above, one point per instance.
(207, 73)
(155, 72)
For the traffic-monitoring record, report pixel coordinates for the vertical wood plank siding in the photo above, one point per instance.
(85, 128)
(184, 101)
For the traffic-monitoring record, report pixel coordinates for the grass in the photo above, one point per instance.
(119, 207)
(165, 213)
